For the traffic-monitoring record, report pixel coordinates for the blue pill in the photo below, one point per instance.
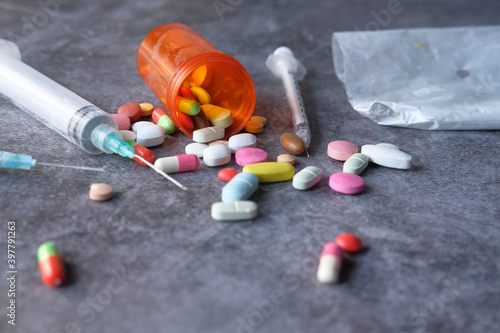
(241, 187)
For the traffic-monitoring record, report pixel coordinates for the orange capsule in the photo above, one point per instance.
(145, 153)
(50, 265)
(185, 120)
(186, 92)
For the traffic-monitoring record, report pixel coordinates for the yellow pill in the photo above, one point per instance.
(259, 119)
(201, 95)
(201, 76)
(218, 116)
(270, 172)
(254, 127)
(147, 109)
(188, 106)
(286, 158)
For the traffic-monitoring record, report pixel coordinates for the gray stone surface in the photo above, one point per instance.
(152, 259)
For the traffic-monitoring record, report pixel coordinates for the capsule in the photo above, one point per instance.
(143, 152)
(240, 187)
(330, 264)
(50, 265)
(187, 106)
(178, 163)
(161, 118)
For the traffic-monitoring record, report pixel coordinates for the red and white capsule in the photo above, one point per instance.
(330, 264)
(178, 163)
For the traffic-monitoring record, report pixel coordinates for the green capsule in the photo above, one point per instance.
(167, 124)
(45, 250)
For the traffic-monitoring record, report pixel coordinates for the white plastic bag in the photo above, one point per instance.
(436, 79)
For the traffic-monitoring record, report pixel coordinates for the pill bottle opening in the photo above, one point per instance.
(174, 55)
(225, 80)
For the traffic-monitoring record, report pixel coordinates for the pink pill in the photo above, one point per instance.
(332, 249)
(346, 183)
(341, 150)
(248, 156)
(122, 120)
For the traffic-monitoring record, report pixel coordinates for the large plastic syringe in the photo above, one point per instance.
(60, 109)
(57, 107)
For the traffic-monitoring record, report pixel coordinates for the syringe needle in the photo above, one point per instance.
(161, 173)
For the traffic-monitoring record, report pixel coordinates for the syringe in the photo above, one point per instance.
(284, 65)
(26, 162)
(57, 107)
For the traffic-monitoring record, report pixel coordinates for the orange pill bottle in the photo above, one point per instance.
(174, 55)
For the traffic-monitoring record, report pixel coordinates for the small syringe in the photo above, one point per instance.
(284, 65)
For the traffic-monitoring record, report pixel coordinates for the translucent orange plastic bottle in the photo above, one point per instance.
(174, 54)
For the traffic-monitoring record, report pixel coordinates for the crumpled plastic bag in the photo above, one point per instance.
(434, 79)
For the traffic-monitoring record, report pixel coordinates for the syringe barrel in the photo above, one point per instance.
(52, 104)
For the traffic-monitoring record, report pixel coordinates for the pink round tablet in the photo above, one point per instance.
(341, 150)
(122, 120)
(346, 183)
(247, 156)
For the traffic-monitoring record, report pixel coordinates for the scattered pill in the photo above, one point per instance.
(346, 183)
(161, 118)
(143, 152)
(50, 264)
(259, 119)
(388, 145)
(179, 163)
(269, 172)
(218, 116)
(292, 144)
(349, 242)
(185, 121)
(140, 124)
(241, 187)
(219, 142)
(341, 150)
(330, 264)
(247, 156)
(234, 211)
(186, 92)
(208, 134)
(216, 155)
(306, 178)
(286, 158)
(147, 109)
(128, 135)
(196, 148)
(227, 174)
(356, 163)
(254, 127)
(201, 95)
(100, 192)
(187, 106)
(201, 76)
(200, 120)
(387, 156)
(150, 136)
(132, 110)
(122, 120)
(240, 141)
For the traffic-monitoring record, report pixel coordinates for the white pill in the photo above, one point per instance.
(208, 134)
(388, 145)
(140, 124)
(240, 141)
(387, 156)
(216, 155)
(196, 148)
(234, 211)
(149, 136)
(306, 178)
(128, 135)
(356, 164)
(218, 142)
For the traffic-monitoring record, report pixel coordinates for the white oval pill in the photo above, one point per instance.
(234, 211)
(356, 163)
(388, 145)
(216, 155)
(140, 124)
(218, 142)
(240, 141)
(306, 178)
(128, 135)
(196, 148)
(208, 134)
(387, 156)
(149, 136)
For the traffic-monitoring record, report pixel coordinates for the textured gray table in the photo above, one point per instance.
(152, 259)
